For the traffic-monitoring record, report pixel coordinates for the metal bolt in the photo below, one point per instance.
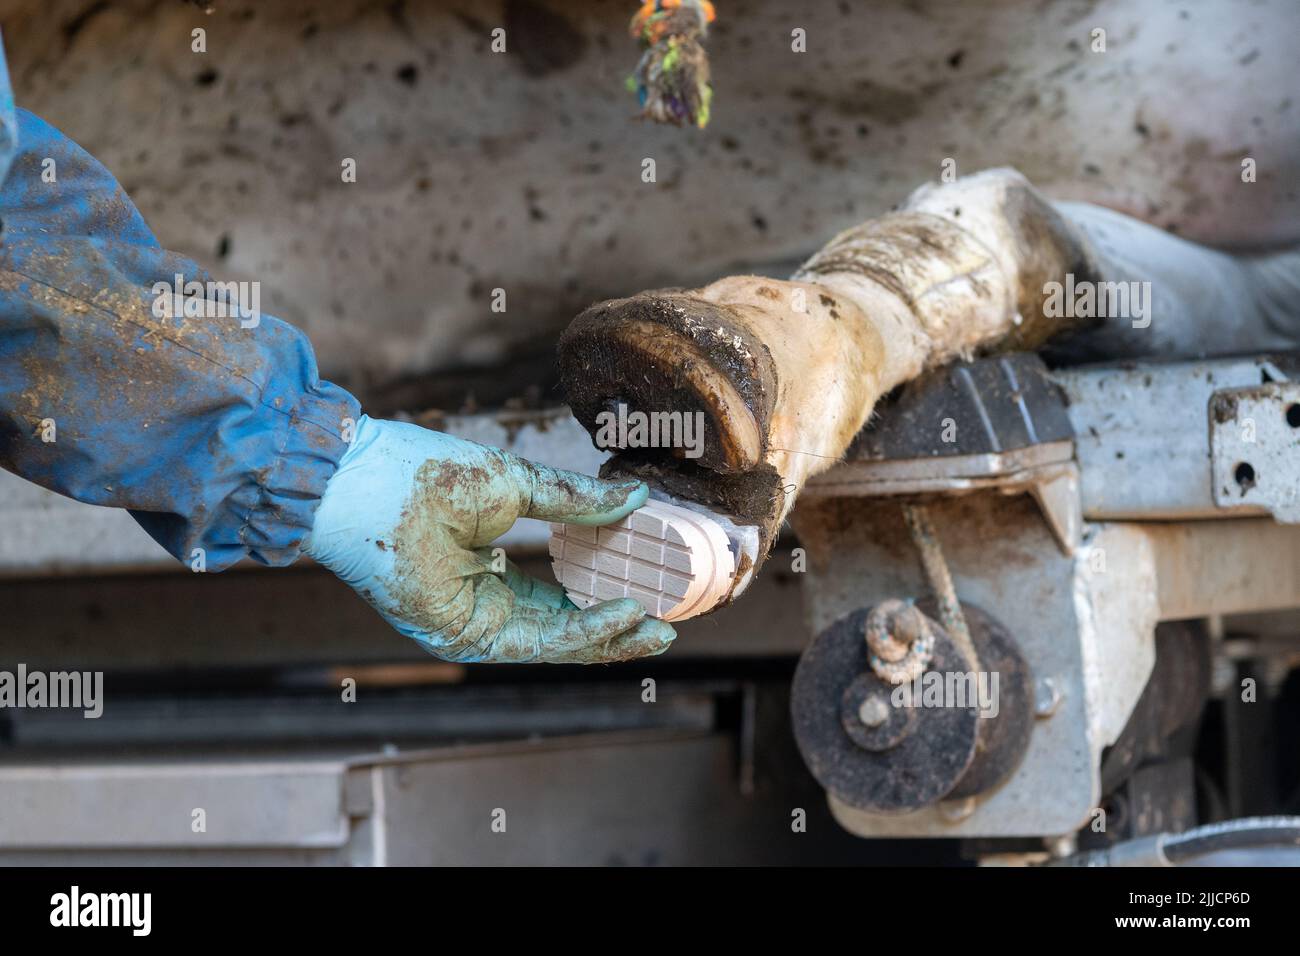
(1047, 697)
(873, 711)
(1062, 846)
(954, 811)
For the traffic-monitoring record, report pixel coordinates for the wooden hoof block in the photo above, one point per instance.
(675, 563)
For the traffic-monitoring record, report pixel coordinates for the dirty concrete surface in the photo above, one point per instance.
(521, 171)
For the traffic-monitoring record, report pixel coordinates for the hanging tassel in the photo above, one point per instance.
(672, 80)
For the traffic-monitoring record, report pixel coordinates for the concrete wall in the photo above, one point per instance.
(523, 171)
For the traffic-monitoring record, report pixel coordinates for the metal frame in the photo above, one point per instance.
(1079, 559)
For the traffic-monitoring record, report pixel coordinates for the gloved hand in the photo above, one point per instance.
(406, 520)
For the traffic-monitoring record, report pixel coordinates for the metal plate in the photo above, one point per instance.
(918, 755)
(987, 407)
(1003, 739)
(1142, 441)
(1255, 448)
(919, 769)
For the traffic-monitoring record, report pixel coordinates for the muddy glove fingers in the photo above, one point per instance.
(553, 494)
(461, 611)
(647, 638)
(398, 521)
(489, 622)
(584, 636)
(527, 588)
(561, 636)
(487, 489)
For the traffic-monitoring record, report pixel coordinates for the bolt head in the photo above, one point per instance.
(954, 811)
(874, 711)
(1047, 697)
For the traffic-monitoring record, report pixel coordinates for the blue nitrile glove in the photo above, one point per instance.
(406, 521)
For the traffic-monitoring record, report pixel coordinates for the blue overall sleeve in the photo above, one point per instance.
(215, 432)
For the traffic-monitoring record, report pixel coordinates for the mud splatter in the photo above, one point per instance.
(545, 40)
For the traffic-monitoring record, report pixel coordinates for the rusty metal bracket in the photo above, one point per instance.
(1255, 448)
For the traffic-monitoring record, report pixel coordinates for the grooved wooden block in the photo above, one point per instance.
(675, 562)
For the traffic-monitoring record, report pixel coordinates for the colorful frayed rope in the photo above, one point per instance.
(671, 81)
(900, 641)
